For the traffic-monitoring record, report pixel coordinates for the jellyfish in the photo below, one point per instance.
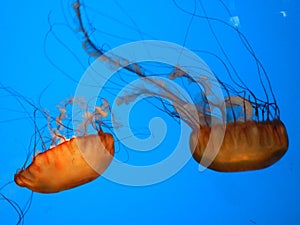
(64, 156)
(236, 132)
(69, 163)
(65, 161)
(65, 166)
(59, 157)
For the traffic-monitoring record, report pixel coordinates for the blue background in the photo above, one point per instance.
(268, 196)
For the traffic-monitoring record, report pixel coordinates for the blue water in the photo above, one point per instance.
(45, 67)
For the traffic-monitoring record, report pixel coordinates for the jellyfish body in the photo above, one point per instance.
(248, 142)
(69, 163)
(248, 145)
(66, 165)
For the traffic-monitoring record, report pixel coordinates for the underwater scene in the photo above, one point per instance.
(144, 112)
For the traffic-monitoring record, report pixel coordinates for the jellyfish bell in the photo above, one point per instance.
(66, 166)
(247, 145)
(69, 163)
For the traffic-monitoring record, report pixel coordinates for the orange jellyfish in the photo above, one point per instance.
(64, 166)
(247, 144)
(69, 163)
(254, 136)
